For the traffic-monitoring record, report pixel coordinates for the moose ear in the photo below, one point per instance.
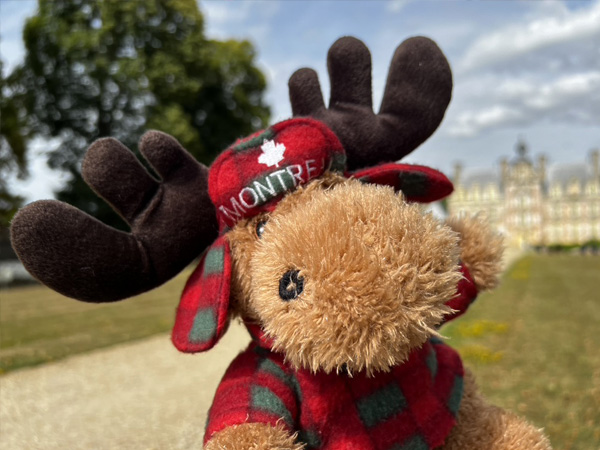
(418, 183)
(203, 312)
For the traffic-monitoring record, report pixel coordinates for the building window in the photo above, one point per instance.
(573, 188)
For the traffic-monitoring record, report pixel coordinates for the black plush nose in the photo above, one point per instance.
(291, 285)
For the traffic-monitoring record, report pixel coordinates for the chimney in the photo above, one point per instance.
(542, 160)
(458, 168)
(595, 157)
(504, 170)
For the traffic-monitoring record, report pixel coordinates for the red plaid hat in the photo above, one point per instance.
(251, 177)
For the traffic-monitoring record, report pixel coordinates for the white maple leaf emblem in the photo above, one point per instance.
(272, 153)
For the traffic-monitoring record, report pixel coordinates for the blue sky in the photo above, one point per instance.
(528, 69)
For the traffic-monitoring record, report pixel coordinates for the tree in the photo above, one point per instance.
(116, 68)
(13, 146)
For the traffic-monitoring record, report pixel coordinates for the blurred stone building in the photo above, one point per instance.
(533, 204)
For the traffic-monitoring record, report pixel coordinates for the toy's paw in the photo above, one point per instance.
(520, 435)
(483, 426)
(253, 436)
(481, 249)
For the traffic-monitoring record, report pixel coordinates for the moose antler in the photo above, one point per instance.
(417, 93)
(171, 221)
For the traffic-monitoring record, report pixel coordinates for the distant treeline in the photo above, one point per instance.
(589, 247)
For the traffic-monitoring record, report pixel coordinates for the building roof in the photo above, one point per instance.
(522, 157)
(481, 177)
(564, 173)
(561, 174)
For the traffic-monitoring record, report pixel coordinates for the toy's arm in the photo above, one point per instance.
(481, 257)
(481, 249)
(255, 406)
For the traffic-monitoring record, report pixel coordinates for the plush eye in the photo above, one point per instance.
(260, 227)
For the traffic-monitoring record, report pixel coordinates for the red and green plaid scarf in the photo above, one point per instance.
(411, 407)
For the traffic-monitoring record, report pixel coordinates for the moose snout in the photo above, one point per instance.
(291, 285)
(351, 277)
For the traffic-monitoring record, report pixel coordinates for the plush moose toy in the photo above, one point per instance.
(317, 242)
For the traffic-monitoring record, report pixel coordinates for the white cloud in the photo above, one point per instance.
(544, 69)
(395, 6)
(12, 20)
(247, 19)
(516, 40)
(220, 14)
(563, 91)
(42, 182)
(469, 123)
(547, 95)
(519, 101)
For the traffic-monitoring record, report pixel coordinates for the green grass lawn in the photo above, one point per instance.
(38, 325)
(534, 345)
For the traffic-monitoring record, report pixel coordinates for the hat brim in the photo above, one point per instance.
(418, 183)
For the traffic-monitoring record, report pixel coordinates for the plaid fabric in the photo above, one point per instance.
(417, 183)
(412, 407)
(252, 175)
(202, 314)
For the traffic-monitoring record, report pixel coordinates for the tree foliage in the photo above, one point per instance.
(117, 68)
(13, 145)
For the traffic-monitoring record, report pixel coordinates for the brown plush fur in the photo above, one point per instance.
(483, 426)
(374, 267)
(480, 249)
(253, 436)
(243, 241)
(377, 274)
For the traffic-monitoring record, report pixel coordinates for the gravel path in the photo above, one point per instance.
(141, 395)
